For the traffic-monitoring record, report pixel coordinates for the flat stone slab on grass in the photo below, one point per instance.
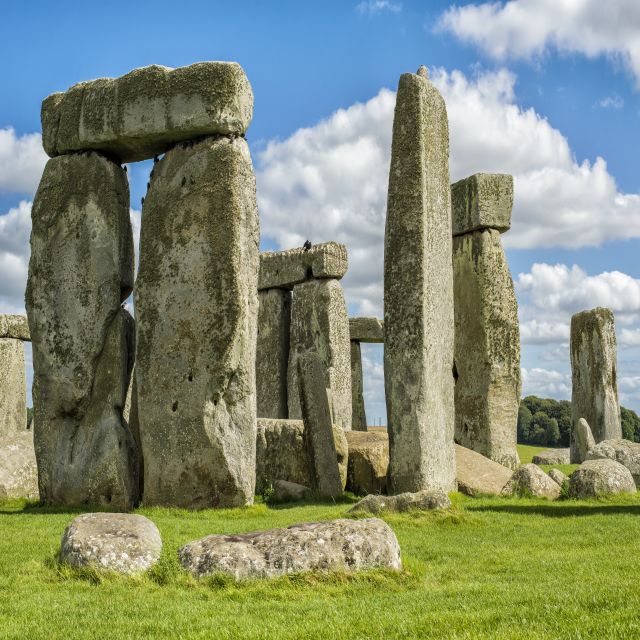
(335, 545)
(625, 452)
(366, 329)
(476, 474)
(18, 469)
(121, 542)
(552, 456)
(403, 502)
(600, 477)
(531, 480)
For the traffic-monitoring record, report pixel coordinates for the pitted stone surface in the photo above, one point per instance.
(402, 503)
(368, 462)
(479, 475)
(336, 545)
(284, 269)
(557, 476)
(13, 387)
(272, 352)
(81, 270)
(552, 456)
(487, 348)
(145, 112)
(14, 326)
(594, 394)
(358, 413)
(531, 480)
(482, 201)
(319, 324)
(197, 308)
(418, 293)
(625, 452)
(120, 542)
(366, 329)
(18, 469)
(584, 440)
(600, 477)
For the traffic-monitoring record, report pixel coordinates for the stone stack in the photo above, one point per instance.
(487, 333)
(418, 293)
(13, 390)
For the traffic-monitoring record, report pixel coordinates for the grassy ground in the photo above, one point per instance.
(492, 568)
(526, 453)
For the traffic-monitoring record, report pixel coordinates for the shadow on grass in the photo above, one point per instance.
(563, 509)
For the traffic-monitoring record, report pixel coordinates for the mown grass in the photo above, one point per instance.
(526, 453)
(490, 568)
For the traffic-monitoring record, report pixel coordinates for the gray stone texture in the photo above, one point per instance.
(285, 491)
(335, 545)
(145, 112)
(418, 293)
(358, 413)
(368, 462)
(558, 477)
(366, 329)
(594, 394)
(625, 452)
(584, 440)
(477, 475)
(487, 348)
(530, 480)
(197, 309)
(482, 201)
(552, 456)
(13, 387)
(402, 503)
(14, 326)
(18, 468)
(285, 269)
(272, 352)
(118, 542)
(81, 270)
(319, 324)
(595, 478)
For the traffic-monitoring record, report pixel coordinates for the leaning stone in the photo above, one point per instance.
(335, 545)
(13, 387)
(552, 456)
(368, 462)
(625, 452)
(119, 542)
(145, 112)
(557, 476)
(196, 305)
(358, 413)
(594, 478)
(366, 330)
(594, 394)
(18, 469)
(584, 441)
(319, 324)
(402, 503)
(482, 201)
(531, 480)
(477, 475)
(284, 269)
(418, 293)
(284, 491)
(80, 272)
(272, 352)
(14, 326)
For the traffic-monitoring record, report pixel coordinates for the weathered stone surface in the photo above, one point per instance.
(14, 326)
(120, 542)
(319, 324)
(531, 480)
(368, 462)
(487, 348)
(594, 395)
(284, 269)
(552, 456)
(358, 413)
(479, 475)
(81, 270)
(317, 436)
(281, 455)
(284, 491)
(584, 440)
(403, 502)
(366, 330)
(625, 452)
(482, 201)
(557, 476)
(272, 352)
(145, 112)
(13, 387)
(600, 477)
(336, 545)
(18, 469)
(418, 293)
(197, 309)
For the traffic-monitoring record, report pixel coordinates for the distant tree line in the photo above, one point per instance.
(547, 422)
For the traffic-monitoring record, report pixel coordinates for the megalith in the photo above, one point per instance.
(80, 273)
(358, 413)
(418, 293)
(487, 331)
(13, 386)
(594, 394)
(196, 308)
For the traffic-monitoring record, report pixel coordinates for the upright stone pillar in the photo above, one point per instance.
(320, 324)
(197, 308)
(13, 388)
(594, 395)
(80, 272)
(418, 293)
(487, 332)
(272, 353)
(359, 416)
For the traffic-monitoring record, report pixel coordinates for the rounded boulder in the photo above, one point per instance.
(600, 477)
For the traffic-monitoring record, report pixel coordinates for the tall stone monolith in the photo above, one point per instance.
(418, 293)
(13, 388)
(197, 307)
(320, 324)
(80, 272)
(358, 413)
(594, 395)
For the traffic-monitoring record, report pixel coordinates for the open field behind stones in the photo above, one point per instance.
(490, 568)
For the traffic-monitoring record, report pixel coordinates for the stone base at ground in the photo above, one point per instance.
(552, 456)
(18, 469)
(600, 477)
(625, 452)
(368, 462)
(477, 475)
(284, 491)
(403, 502)
(531, 480)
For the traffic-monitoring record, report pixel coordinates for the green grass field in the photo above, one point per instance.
(527, 451)
(491, 568)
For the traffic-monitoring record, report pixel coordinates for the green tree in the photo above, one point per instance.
(524, 423)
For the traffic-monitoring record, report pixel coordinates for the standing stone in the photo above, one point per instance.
(272, 352)
(418, 293)
(81, 270)
(584, 440)
(197, 310)
(594, 395)
(320, 324)
(358, 415)
(13, 387)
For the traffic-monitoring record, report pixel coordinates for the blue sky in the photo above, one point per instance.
(546, 90)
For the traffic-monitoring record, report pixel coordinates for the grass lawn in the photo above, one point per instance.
(492, 568)
(527, 451)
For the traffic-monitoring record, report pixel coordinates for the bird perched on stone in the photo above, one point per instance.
(307, 245)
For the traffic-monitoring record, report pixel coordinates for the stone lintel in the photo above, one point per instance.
(366, 330)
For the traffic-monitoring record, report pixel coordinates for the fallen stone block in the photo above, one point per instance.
(14, 326)
(552, 456)
(366, 330)
(594, 478)
(402, 503)
(625, 452)
(531, 480)
(476, 474)
(284, 491)
(18, 468)
(557, 476)
(368, 462)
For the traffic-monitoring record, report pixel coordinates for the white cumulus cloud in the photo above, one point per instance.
(374, 7)
(22, 160)
(546, 383)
